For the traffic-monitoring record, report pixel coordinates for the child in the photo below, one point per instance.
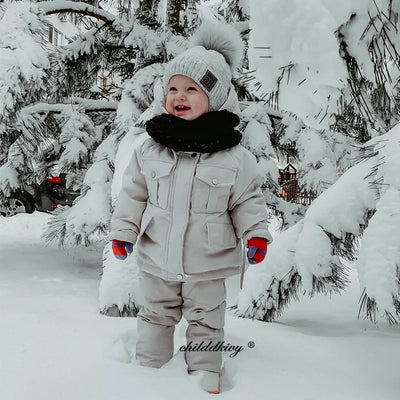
(190, 196)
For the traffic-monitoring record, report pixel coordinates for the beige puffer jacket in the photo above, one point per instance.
(187, 213)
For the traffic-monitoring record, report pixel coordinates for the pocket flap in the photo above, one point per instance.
(216, 176)
(155, 169)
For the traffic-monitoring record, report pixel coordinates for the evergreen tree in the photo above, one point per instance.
(51, 106)
(24, 66)
(309, 254)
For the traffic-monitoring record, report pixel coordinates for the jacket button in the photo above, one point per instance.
(153, 174)
(179, 276)
(194, 155)
(215, 181)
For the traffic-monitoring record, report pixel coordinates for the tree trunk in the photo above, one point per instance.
(174, 7)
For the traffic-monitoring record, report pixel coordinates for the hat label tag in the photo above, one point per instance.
(208, 80)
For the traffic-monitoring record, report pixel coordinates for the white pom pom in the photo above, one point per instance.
(220, 37)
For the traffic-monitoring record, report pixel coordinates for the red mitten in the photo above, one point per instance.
(257, 250)
(121, 249)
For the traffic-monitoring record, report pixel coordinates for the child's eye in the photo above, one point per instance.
(192, 88)
(171, 89)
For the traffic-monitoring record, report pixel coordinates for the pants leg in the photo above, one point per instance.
(157, 318)
(204, 308)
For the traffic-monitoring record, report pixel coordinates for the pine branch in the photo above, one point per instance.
(87, 105)
(369, 307)
(271, 304)
(59, 7)
(128, 310)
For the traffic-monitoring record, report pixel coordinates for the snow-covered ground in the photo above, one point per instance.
(54, 344)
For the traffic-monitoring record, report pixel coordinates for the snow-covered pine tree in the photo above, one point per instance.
(366, 198)
(71, 123)
(77, 137)
(24, 66)
(308, 254)
(136, 51)
(34, 105)
(63, 98)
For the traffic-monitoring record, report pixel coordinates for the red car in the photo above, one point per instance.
(45, 197)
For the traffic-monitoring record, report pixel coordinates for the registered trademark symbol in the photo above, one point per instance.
(251, 344)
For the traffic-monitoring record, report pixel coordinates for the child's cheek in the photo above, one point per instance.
(168, 107)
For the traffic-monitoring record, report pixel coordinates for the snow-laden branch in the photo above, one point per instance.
(87, 105)
(57, 7)
(309, 251)
(304, 251)
(23, 60)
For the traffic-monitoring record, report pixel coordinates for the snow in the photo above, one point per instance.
(57, 5)
(88, 219)
(87, 104)
(85, 43)
(144, 39)
(137, 94)
(380, 252)
(66, 27)
(341, 207)
(77, 136)
(298, 42)
(19, 31)
(339, 210)
(313, 255)
(389, 150)
(320, 153)
(134, 138)
(55, 344)
(22, 56)
(120, 282)
(278, 263)
(318, 74)
(90, 213)
(74, 152)
(318, 162)
(258, 140)
(244, 5)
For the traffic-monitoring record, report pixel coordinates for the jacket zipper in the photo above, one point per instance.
(170, 202)
(190, 186)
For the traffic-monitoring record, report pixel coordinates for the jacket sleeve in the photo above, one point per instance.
(130, 204)
(247, 204)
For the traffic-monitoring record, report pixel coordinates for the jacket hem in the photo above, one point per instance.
(184, 277)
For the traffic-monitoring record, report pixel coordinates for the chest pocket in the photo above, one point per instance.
(212, 188)
(158, 178)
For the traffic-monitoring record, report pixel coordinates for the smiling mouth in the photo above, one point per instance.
(182, 108)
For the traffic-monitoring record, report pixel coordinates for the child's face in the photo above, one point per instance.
(185, 98)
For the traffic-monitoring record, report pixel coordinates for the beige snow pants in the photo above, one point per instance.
(203, 306)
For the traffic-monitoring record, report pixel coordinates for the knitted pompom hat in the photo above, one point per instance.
(214, 54)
